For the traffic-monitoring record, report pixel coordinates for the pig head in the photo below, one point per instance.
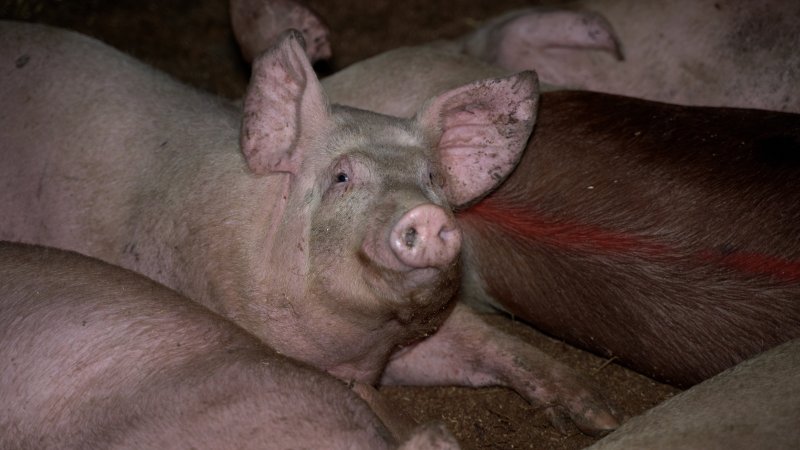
(366, 242)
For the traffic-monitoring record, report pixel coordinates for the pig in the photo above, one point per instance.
(755, 404)
(735, 53)
(258, 24)
(662, 236)
(327, 232)
(97, 356)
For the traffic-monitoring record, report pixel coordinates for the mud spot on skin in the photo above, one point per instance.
(22, 61)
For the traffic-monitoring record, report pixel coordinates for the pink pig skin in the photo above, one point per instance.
(691, 52)
(289, 234)
(98, 356)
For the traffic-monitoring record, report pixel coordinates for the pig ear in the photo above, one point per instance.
(514, 41)
(258, 24)
(481, 129)
(283, 109)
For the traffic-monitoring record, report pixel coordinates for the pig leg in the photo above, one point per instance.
(467, 351)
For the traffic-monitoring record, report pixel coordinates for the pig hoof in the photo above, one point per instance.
(592, 421)
(433, 436)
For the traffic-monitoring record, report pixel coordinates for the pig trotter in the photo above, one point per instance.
(466, 351)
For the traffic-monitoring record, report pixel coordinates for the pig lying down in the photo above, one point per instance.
(96, 356)
(659, 235)
(692, 52)
(328, 233)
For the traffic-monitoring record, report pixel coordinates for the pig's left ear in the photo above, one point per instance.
(481, 129)
(284, 108)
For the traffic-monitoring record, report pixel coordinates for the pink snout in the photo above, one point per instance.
(426, 236)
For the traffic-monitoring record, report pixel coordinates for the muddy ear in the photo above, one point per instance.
(481, 130)
(515, 41)
(284, 108)
(257, 25)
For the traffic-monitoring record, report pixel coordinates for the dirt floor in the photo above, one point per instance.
(192, 40)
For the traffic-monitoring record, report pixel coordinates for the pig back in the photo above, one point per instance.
(99, 356)
(665, 236)
(91, 138)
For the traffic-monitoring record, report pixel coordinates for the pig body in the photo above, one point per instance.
(755, 404)
(327, 233)
(98, 357)
(706, 53)
(660, 235)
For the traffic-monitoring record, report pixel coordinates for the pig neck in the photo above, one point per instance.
(199, 210)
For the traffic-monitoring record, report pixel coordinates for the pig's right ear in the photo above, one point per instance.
(284, 108)
(481, 130)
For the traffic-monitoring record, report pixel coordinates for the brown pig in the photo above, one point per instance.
(327, 232)
(96, 356)
(663, 236)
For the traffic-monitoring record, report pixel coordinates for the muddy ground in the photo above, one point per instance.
(192, 40)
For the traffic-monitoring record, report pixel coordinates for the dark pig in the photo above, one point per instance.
(663, 236)
(95, 356)
(328, 233)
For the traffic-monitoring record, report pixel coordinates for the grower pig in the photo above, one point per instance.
(755, 404)
(693, 52)
(663, 236)
(329, 236)
(95, 356)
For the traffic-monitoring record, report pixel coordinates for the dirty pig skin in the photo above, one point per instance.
(324, 230)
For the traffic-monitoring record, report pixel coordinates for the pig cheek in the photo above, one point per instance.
(336, 239)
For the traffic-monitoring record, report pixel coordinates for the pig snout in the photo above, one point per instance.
(426, 236)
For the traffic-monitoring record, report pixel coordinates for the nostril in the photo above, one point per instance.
(410, 237)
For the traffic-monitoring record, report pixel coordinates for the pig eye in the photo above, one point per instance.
(342, 177)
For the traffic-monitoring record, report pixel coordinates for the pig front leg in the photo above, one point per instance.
(467, 351)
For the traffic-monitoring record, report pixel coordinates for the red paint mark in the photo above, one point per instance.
(594, 239)
(566, 235)
(755, 264)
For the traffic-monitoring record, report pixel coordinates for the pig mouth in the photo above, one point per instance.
(383, 268)
(410, 288)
